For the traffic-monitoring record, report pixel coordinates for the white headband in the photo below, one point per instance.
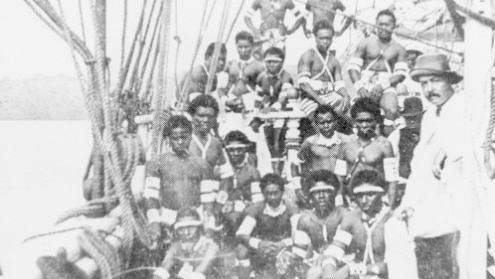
(273, 59)
(367, 189)
(236, 145)
(187, 223)
(319, 186)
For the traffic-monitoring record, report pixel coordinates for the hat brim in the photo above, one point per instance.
(419, 72)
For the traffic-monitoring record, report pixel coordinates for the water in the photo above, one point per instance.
(42, 164)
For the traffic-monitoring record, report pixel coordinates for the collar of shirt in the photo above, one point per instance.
(327, 142)
(275, 212)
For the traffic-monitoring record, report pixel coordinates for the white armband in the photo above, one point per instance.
(299, 252)
(257, 197)
(401, 68)
(340, 167)
(343, 237)
(208, 197)
(226, 170)
(254, 242)
(196, 275)
(287, 242)
(245, 262)
(256, 194)
(152, 188)
(169, 216)
(153, 215)
(302, 79)
(239, 206)
(391, 169)
(161, 273)
(334, 251)
(222, 80)
(301, 238)
(247, 226)
(296, 182)
(388, 122)
(222, 197)
(356, 63)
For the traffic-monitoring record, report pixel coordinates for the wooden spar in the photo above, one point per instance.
(478, 199)
(161, 78)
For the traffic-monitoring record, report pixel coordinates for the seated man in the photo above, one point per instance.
(272, 31)
(273, 86)
(243, 73)
(368, 150)
(384, 64)
(319, 75)
(194, 84)
(361, 232)
(266, 230)
(191, 255)
(246, 188)
(321, 151)
(319, 225)
(175, 179)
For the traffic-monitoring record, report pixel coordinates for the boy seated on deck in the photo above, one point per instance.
(266, 230)
(273, 86)
(192, 255)
(179, 179)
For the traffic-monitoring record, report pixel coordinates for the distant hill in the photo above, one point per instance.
(41, 98)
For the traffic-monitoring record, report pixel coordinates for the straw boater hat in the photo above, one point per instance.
(434, 64)
(413, 106)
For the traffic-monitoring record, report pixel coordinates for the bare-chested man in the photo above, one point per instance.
(272, 31)
(367, 149)
(196, 82)
(319, 74)
(361, 232)
(173, 181)
(243, 72)
(192, 254)
(266, 230)
(323, 150)
(320, 224)
(325, 10)
(378, 65)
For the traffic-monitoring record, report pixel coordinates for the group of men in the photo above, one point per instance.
(348, 211)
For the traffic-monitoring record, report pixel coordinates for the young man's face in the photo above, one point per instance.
(366, 125)
(369, 202)
(180, 139)
(324, 38)
(237, 152)
(411, 57)
(272, 195)
(188, 234)
(437, 89)
(324, 200)
(385, 22)
(221, 62)
(203, 119)
(273, 64)
(325, 124)
(244, 48)
(413, 122)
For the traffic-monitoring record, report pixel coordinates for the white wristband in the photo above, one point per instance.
(254, 243)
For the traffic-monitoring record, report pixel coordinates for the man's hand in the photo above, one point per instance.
(156, 232)
(377, 91)
(362, 92)
(267, 248)
(438, 164)
(302, 198)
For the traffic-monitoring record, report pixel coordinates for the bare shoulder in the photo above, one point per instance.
(255, 209)
(291, 206)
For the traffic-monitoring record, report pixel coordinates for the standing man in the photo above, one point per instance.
(324, 10)
(378, 65)
(272, 31)
(433, 202)
(368, 150)
(266, 230)
(319, 74)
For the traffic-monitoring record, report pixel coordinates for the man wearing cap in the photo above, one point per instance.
(378, 242)
(246, 188)
(367, 149)
(319, 74)
(191, 255)
(433, 202)
(266, 230)
(177, 179)
(316, 228)
(378, 65)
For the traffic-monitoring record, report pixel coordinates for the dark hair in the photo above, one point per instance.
(323, 24)
(366, 104)
(211, 48)
(271, 178)
(387, 12)
(323, 176)
(236, 136)
(324, 109)
(368, 176)
(177, 121)
(244, 36)
(205, 101)
(274, 51)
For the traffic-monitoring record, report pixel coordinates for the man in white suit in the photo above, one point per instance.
(433, 202)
